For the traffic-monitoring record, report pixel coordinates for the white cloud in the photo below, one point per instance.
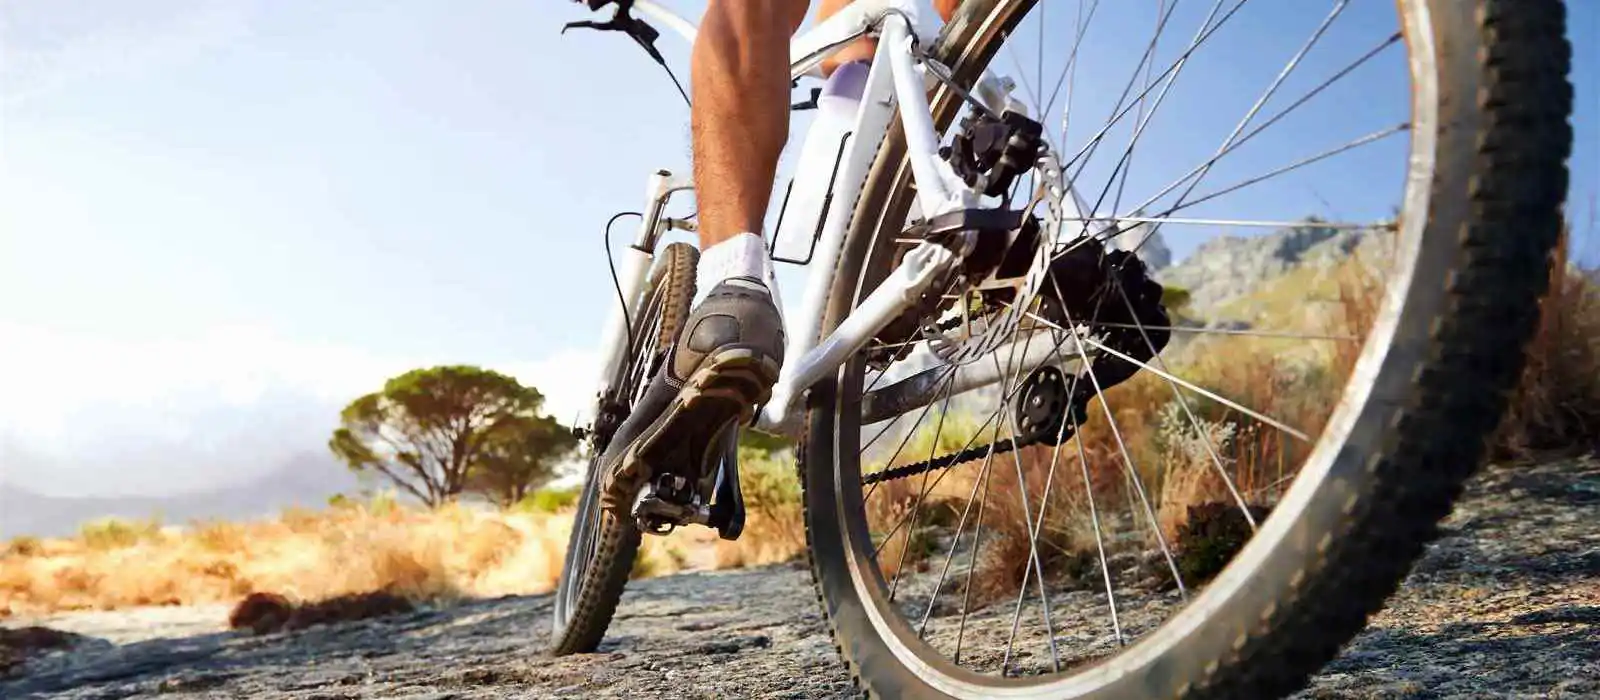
(52, 377)
(566, 379)
(201, 409)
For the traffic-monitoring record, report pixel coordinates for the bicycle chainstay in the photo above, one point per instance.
(1047, 412)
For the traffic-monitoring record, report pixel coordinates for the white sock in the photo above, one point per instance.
(744, 255)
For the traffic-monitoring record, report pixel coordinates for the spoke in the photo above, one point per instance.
(1254, 109)
(922, 493)
(1275, 119)
(1093, 141)
(949, 378)
(1127, 461)
(1364, 140)
(1254, 223)
(1005, 401)
(1194, 422)
(961, 526)
(1094, 513)
(902, 521)
(1125, 164)
(977, 544)
(1144, 59)
(1069, 72)
(1038, 68)
(1125, 160)
(1229, 331)
(1143, 119)
(1026, 84)
(1193, 387)
(1044, 502)
(1033, 564)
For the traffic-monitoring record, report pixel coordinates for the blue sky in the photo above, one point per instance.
(219, 220)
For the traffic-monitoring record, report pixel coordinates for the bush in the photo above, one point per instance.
(549, 500)
(1211, 534)
(1556, 405)
(22, 546)
(269, 612)
(116, 533)
(773, 529)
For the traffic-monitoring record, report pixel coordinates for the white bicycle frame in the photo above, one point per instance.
(895, 78)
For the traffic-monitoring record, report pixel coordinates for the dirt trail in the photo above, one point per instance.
(1507, 603)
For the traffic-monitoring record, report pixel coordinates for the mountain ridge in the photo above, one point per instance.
(304, 480)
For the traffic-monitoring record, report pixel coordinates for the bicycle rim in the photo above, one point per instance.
(882, 614)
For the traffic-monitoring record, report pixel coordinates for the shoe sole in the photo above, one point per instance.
(725, 389)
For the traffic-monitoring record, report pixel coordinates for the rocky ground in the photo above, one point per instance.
(1506, 604)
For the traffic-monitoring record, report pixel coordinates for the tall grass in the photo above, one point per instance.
(304, 555)
(773, 530)
(1556, 405)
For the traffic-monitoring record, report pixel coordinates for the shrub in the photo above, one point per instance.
(550, 500)
(22, 546)
(773, 530)
(270, 612)
(116, 533)
(1211, 534)
(1556, 405)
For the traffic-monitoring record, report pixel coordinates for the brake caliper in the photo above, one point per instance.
(990, 153)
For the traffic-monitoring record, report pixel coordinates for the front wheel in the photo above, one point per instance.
(602, 547)
(1221, 521)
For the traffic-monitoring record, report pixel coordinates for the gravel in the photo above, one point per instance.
(1505, 604)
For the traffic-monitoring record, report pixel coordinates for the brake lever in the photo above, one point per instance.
(622, 20)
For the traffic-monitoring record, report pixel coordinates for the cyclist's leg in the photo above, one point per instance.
(740, 117)
(728, 357)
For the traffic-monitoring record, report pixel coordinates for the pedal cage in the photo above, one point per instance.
(671, 500)
(667, 502)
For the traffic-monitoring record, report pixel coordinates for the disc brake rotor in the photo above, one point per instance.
(958, 335)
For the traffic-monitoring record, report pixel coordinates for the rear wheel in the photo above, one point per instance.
(1192, 534)
(601, 548)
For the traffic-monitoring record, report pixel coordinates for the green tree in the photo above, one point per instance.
(429, 431)
(517, 461)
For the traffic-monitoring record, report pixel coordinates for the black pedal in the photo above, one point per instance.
(666, 503)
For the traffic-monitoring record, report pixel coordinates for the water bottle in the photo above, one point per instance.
(806, 202)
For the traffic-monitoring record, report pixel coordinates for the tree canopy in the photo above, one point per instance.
(441, 431)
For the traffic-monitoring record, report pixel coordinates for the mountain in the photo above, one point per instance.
(306, 480)
(1147, 243)
(1227, 269)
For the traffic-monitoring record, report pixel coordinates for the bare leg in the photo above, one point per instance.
(740, 119)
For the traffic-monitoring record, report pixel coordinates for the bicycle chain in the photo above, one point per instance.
(943, 461)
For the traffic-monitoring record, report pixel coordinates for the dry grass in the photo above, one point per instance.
(773, 531)
(304, 556)
(1556, 406)
(1179, 453)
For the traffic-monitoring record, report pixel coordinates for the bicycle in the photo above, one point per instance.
(932, 281)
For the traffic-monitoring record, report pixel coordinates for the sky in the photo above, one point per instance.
(222, 219)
